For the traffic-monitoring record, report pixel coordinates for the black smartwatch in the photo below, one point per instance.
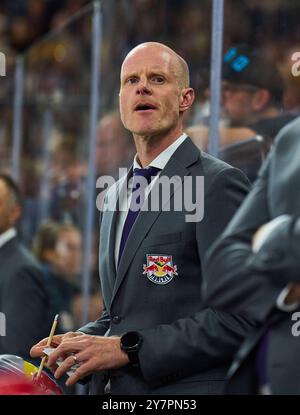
(130, 343)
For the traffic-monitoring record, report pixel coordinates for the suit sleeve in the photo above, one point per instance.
(234, 281)
(25, 305)
(208, 338)
(98, 327)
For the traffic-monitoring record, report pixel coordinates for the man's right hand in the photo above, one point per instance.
(37, 349)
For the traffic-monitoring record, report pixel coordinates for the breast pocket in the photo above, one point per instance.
(169, 238)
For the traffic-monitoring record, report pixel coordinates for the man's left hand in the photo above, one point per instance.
(93, 353)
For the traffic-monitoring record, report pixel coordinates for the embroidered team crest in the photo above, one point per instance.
(160, 269)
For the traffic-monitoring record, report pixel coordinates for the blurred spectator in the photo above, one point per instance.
(31, 19)
(20, 33)
(24, 299)
(115, 147)
(68, 252)
(67, 187)
(252, 92)
(59, 249)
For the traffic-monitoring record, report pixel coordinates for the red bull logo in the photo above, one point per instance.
(160, 269)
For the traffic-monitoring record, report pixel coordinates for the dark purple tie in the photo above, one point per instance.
(137, 200)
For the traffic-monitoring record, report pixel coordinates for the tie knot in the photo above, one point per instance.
(147, 173)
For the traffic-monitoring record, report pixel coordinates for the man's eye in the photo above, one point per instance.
(132, 80)
(158, 79)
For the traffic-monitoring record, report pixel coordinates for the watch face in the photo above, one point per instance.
(130, 340)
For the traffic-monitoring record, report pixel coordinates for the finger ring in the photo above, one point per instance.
(75, 358)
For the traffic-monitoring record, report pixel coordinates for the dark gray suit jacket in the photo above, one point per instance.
(186, 347)
(238, 281)
(23, 300)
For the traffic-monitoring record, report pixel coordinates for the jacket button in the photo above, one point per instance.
(116, 319)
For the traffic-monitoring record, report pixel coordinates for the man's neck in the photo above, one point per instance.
(149, 147)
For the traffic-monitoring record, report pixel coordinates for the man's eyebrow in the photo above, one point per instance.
(153, 69)
(158, 72)
(128, 75)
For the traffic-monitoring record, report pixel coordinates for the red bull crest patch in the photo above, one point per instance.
(160, 268)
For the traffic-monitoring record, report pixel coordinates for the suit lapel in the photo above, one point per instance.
(186, 154)
(109, 228)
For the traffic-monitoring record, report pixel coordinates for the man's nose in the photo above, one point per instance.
(143, 88)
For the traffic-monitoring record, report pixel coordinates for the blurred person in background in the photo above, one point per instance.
(114, 145)
(24, 300)
(68, 180)
(59, 250)
(252, 89)
(252, 93)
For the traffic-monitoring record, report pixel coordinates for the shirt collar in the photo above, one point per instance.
(7, 236)
(162, 159)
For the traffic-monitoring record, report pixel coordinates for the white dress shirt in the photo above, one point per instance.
(160, 162)
(7, 236)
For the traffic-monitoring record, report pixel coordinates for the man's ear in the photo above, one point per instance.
(187, 98)
(261, 99)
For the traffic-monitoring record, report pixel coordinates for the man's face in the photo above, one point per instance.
(237, 102)
(68, 252)
(8, 213)
(112, 145)
(149, 93)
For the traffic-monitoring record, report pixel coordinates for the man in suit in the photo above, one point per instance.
(254, 269)
(156, 336)
(23, 297)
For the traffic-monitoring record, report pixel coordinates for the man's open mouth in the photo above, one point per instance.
(145, 107)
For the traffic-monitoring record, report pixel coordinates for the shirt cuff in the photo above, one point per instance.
(280, 302)
(269, 228)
